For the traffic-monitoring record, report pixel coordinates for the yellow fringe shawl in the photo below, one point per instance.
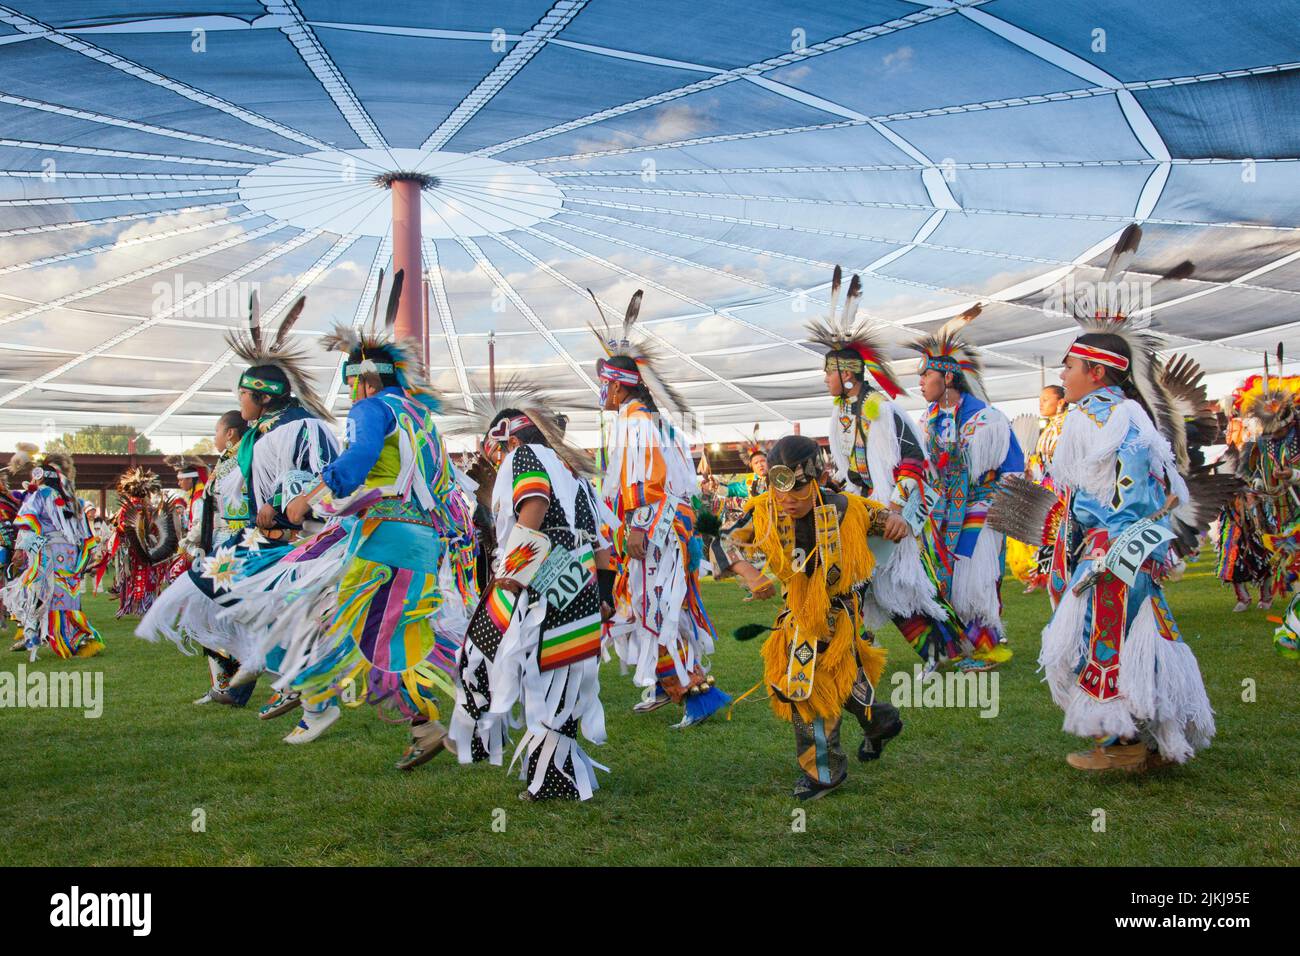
(807, 600)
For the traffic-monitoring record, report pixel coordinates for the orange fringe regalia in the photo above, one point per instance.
(822, 607)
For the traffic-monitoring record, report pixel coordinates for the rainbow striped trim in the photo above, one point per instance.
(30, 522)
(664, 667)
(531, 483)
(500, 608)
(570, 643)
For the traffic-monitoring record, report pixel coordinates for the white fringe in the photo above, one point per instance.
(636, 644)
(281, 606)
(1162, 684)
(975, 581)
(463, 729)
(1161, 697)
(183, 614)
(578, 685)
(986, 439)
(633, 441)
(901, 587)
(1064, 644)
(1084, 459)
(504, 684)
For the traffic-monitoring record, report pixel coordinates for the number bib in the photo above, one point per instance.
(563, 575)
(561, 579)
(1128, 552)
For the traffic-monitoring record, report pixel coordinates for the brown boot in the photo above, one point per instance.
(427, 741)
(1130, 758)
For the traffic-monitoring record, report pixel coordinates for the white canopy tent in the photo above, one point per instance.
(156, 166)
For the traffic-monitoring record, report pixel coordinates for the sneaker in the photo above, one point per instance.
(872, 747)
(1129, 758)
(311, 726)
(279, 705)
(806, 788)
(427, 741)
(652, 699)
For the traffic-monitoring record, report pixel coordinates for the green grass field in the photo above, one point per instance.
(953, 789)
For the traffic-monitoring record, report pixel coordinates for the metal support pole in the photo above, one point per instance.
(406, 256)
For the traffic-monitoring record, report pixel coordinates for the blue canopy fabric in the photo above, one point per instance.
(155, 167)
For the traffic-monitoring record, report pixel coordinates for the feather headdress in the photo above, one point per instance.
(1185, 383)
(1273, 399)
(532, 408)
(276, 367)
(852, 344)
(27, 457)
(376, 351)
(640, 361)
(138, 483)
(751, 446)
(1143, 366)
(947, 350)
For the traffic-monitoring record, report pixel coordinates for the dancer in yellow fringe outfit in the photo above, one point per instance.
(819, 660)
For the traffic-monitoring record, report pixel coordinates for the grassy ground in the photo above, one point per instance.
(953, 789)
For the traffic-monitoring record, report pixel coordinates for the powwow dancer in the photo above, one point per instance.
(660, 628)
(192, 479)
(1052, 407)
(878, 453)
(821, 659)
(734, 493)
(970, 446)
(223, 513)
(1112, 653)
(1287, 633)
(146, 534)
(52, 548)
(1270, 466)
(287, 444)
(377, 599)
(9, 505)
(535, 637)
